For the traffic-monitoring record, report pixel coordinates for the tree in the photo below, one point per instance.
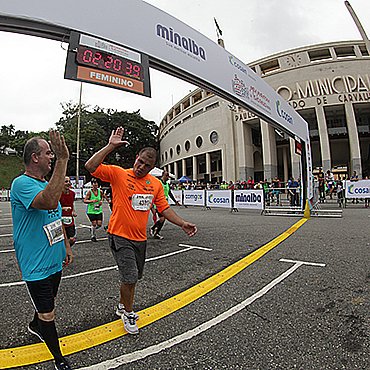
(96, 126)
(6, 133)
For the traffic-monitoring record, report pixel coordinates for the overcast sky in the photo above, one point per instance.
(30, 98)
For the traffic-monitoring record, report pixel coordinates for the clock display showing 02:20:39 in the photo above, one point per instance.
(109, 62)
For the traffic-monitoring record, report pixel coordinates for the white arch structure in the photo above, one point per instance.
(172, 47)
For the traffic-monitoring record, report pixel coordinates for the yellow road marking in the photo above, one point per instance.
(35, 353)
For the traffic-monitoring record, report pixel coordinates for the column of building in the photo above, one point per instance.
(324, 139)
(195, 168)
(354, 142)
(269, 152)
(245, 150)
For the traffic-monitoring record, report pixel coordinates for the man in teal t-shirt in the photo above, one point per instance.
(40, 241)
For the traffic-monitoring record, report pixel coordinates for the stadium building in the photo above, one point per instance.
(209, 139)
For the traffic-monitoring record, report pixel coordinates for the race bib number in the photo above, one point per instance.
(142, 202)
(54, 232)
(67, 220)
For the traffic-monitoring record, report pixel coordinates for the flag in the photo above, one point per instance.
(218, 28)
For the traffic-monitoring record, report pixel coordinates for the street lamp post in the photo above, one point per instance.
(78, 140)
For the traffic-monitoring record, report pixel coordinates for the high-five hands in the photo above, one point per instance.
(116, 138)
(58, 145)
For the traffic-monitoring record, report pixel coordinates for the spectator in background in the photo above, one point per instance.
(367, 200)
(293, 186)
(321, 179)
(250, 183)
(275, 189)
(354, 177)
(329, 179)
(340, 193)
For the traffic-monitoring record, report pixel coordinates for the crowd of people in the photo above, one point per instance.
(272, 189)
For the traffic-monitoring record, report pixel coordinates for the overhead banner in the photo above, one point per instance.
(171, 46)
(218, 198)
(248, 199)
(167, 39)
(357, 189)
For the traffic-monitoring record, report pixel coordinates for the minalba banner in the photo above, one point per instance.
(248, 199)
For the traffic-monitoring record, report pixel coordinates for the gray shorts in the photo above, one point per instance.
(129, 256)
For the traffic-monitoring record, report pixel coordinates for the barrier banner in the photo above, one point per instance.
(4, 195)
(218, 198)
(248, 199)
(178, 196)
(84, 192)
(357, 189)
(78, 193)
(194, 197)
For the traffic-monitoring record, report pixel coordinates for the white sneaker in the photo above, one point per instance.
(121, 311)
(129, 322)
(158, 236)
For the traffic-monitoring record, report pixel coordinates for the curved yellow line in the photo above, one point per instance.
(35, 353)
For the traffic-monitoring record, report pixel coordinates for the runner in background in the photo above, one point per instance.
(157, 227)
(94, 201)
(68, 212)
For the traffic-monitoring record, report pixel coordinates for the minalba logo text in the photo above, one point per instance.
(183, 42)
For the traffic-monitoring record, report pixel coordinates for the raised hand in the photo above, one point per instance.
(58, 145)
(116, 138)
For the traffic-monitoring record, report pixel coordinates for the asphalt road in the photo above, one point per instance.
(315, 318)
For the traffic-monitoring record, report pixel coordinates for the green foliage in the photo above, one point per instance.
(96, 126)
(10, 167)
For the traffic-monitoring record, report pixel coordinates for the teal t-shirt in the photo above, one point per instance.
(38, 256)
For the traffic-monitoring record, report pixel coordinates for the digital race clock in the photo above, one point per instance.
(109, 62)
(102, 62)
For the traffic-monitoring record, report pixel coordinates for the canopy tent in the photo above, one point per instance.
(157, 172)
(185, 179)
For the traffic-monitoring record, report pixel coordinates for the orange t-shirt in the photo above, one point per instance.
(132, 197)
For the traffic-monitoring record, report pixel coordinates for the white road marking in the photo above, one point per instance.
(6, 225)
(303, 263)
(195, 247)
(4, 235)
(89, 241)
(6, 218)
(7, 250)
(4, 285)
(141, 354)
(84, 226)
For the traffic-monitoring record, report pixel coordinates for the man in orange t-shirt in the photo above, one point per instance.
(134, 191)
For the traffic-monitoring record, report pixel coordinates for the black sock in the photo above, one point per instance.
(35, 322)
(159, 226)
(50, 336)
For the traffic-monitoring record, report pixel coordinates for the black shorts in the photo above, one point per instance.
(43, 292)
(70, 231)
(95, 217)
(129, 256)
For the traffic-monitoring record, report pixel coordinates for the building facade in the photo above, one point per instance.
(209, 139)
